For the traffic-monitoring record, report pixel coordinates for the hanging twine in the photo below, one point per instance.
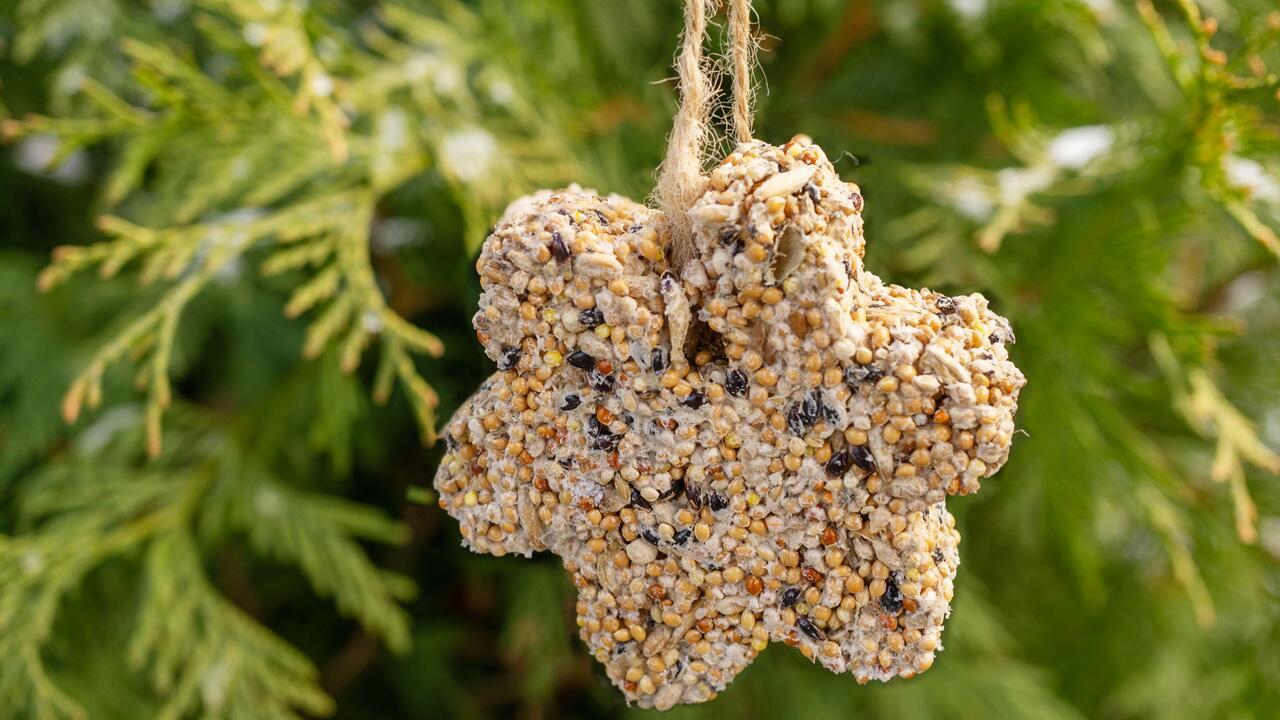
(681, 180)
(744, 58)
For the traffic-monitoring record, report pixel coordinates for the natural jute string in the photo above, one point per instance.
(681, 181)
(744, 58)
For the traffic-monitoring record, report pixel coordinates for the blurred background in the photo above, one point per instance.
(237, 241)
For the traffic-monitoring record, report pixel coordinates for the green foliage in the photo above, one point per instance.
(107, 505)
(267, 190)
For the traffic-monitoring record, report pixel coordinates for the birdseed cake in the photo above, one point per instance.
(754, 447)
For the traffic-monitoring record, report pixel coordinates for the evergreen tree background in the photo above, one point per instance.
(237, 255)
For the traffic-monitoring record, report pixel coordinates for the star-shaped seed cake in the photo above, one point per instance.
(752, 447)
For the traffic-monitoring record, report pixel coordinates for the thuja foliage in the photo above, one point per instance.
(235, 292)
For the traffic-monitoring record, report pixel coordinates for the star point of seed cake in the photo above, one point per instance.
(752, 448)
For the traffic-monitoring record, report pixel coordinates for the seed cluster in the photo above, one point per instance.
(752, 448)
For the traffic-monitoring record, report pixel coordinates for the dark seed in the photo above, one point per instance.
(658, 360)
(693, 495)
(813, 193)
(861, 457)
(559, 250)
(601, 382)
(596, 429)
(891, 600)
(1005, 336)
(581, 360)
(603, 220)
(608, 443)
(566, 463)
(857, 202)
(812, 406)
(591, 317)
(805, 413)
(790, 597)
(638, 500)
(938, 557)
(806, 625)
(795, 420)
(946, 305)
(735, 383)
(677, 488)
(858, 374)
(510, 356)
(649, 535)
(682, 536)
(717, 501)
(601, 437)
(839, 463)
(627, 418)
(571, 402)
(668, 281)
(695, 400)
(731, 238)
(831, 414)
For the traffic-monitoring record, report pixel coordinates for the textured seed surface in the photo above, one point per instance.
(752, 448)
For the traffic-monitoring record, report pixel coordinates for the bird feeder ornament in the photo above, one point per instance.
(731, 432)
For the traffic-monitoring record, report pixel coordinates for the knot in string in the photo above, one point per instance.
(681, 180)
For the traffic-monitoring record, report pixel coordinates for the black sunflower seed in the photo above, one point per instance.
(558, 249)
(695, 400)
(591, 317)
(607, 443)
(658, 360)
(717, 501)
(795, 420)
(839, 463)
(831, 414)
(597, 429)
(693, 495)
(638, 500)
(735, 382)
(731, 238)
(571, 402)
(510, 356)
(677, 488)
(581, 360)
(891, 600)
(806, 625)
(790, 596)
(805, 413)
(682, 536)
(812, 407)
(601, 382)
(858, 374)
(861, 457)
